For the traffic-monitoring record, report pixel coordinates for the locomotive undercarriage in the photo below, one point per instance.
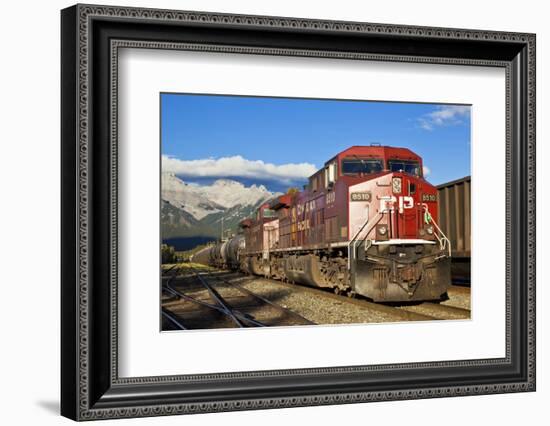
(383, 273)
(403, 272)
(317, 268)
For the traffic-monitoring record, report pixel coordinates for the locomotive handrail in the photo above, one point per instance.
(363, 227)
(444, 242)
(353, 240)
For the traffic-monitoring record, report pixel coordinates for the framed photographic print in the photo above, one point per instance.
(263, 212)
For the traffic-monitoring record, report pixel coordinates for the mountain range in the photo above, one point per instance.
(190, 210)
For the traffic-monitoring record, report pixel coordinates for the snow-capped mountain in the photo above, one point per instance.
(229, 193)
(191, 209)
(201, 200)
(190, 198)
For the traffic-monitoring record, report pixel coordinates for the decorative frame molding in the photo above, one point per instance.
(91, 37)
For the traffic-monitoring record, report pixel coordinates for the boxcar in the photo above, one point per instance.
(454, 219)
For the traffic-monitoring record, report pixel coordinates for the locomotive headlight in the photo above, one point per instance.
(430, 230)
(396, 185)
(381, 232)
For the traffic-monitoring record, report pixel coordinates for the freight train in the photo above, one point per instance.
(364, 224)
(454, 219)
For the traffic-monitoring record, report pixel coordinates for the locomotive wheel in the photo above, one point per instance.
(351, 294)
(337, 290)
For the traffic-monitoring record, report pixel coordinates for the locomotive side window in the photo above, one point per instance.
(330, 174)
(410, 167)
(270, 213)
(316, 181)
(356, 166)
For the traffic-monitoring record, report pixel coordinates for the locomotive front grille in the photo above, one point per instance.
(408, 273)
(402, 273)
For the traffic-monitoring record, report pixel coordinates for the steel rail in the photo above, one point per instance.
(220, 301)
(438, 311)
(239, 315)
(401, 312)
(459, 289)
(389, 310)
(447, 308)
(264, 300)
(169, 269)
(172, 318)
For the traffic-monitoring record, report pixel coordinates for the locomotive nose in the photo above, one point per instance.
(397, 271)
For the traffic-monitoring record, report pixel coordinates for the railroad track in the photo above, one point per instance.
(459, 289)
(172, 319)
(210, 301)
(438, 311)
(217, 282)
(317, 292)
(426, 311)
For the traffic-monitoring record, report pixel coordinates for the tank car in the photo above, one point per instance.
(202, 256)
(226, 254)
(232, 251)
(218, 255)
(364, 224)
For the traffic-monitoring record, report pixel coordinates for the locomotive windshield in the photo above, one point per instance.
(410, 167)
(355, 166)
(270, 213)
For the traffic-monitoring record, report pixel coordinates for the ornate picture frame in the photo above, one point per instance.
(90, 39)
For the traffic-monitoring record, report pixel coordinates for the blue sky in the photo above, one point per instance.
(279, 141)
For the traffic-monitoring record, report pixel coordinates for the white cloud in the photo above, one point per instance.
(237, 166)
(426, 171)
(448, 115)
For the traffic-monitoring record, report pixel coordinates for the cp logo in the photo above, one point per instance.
(390, 202)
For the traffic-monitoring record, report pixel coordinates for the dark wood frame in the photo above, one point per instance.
(91, 388)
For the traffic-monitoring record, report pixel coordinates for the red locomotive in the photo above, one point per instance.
(364, 225)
